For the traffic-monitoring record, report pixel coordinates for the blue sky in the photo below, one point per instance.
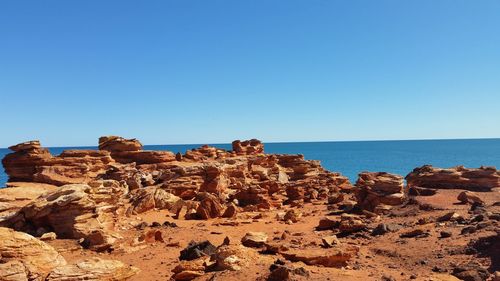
(212, 71)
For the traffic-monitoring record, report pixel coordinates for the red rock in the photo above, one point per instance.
(373, 189)
(247, 147)
(481, 179)
(117, 144)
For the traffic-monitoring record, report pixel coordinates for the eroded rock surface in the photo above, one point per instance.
(481, 179)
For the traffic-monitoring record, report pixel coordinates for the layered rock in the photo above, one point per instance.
(379, 188)
(77, 211)
(130, 151)
(481, 179)
(23, 258)
(247, 147)
(244, 177)
(31, 163)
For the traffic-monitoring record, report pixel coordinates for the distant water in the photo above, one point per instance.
(352, 157)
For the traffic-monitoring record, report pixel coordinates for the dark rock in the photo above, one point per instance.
(470, 272)
(197, 249)
(445, 234)
(155, 224)
(414, 233)
(468, 230)
(169, 224)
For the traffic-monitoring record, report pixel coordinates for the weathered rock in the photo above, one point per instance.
(115, 144)
(231, 257)
(481, 179)
(74, 211)
(247, 147)
(196, 250)
(324, 257)
(24, 257)
(292, 215)
(145, 199)
(209, 207)
(31, 163)
(470, 197)
(189, 269)
(93, 269)
(373, 189)
(254, 239)
(327, 223)
(330, 241)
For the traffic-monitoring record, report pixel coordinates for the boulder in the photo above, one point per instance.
(376, 188)
(470, 197)
(254, 239)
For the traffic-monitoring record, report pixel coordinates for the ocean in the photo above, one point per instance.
(353, 157)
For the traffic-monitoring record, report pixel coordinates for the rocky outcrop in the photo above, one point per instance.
(379, 188)
(130, 151)
(77, 211)
(248, 147)
(212, 178)
(23, 257)
(31, 163)
(481, 179)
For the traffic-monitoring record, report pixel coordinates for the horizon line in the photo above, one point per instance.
(283, 142)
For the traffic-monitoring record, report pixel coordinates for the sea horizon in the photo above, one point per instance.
(353, 157)
(279, 142)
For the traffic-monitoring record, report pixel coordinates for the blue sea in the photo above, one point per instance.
(352, 157)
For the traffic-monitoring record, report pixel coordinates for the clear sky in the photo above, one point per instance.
(205, 71)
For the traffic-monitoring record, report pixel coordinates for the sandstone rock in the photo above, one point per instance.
(25, 257)
(230, 257)
(254, 239)
(252, 146)
(115, 143)
(481, 179)
(145, 199)
(451, 216)
(210, 206)
(330, 241)
(75, 211)
(470, 197)
(32, 163)
(327, 258)
(93, 269)
(49, 236)
(373, 189)
(189, 270)
(327, 223)
(292, 215)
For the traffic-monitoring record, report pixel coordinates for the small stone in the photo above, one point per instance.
(445, 234)
(254, 239)
(49, 236)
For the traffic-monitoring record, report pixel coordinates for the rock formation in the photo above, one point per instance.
(23, 258)
(76, 211)
(274, 217)
(481, 179)
(374, 190)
